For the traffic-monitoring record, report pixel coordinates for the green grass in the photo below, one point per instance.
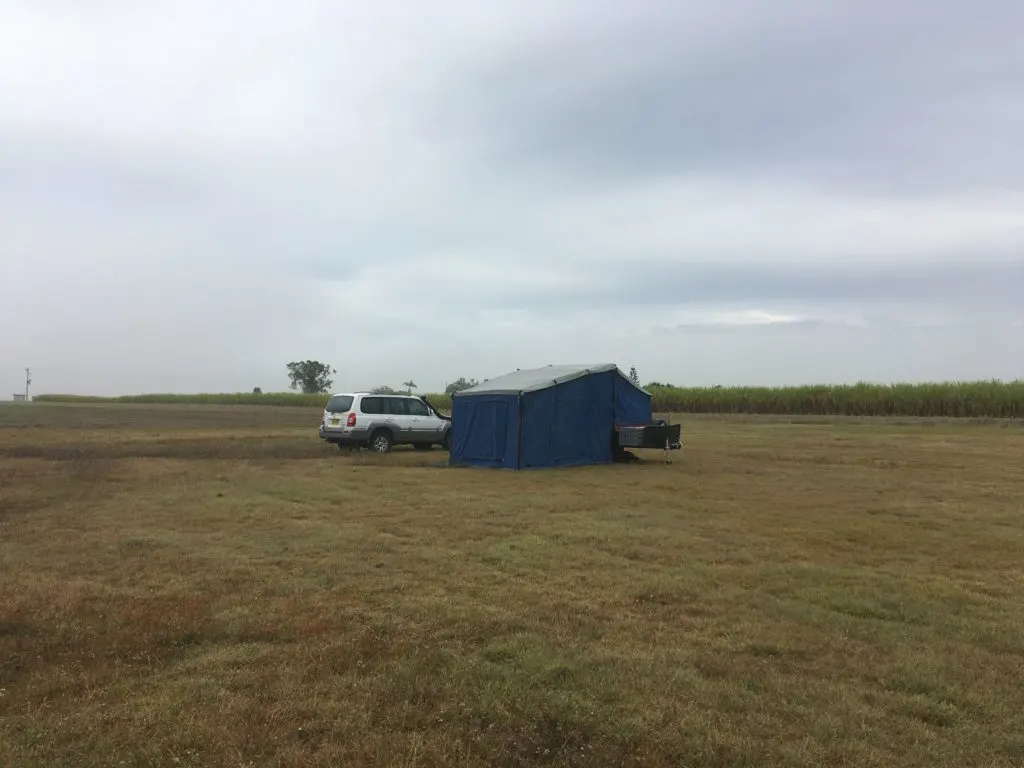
(212, 586)
(973, 399)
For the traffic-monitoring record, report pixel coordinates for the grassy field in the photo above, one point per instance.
(206, 586)
(979, 399)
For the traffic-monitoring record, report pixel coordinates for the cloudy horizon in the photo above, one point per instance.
(194, 194)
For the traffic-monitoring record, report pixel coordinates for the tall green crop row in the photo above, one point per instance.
(286, 399)
(228, 398)
(945, 399)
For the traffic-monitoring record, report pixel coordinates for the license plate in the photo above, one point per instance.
(335, 422)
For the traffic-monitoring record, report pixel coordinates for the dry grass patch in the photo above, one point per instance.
(781, 595)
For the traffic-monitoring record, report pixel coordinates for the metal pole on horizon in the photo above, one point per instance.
(28, 381)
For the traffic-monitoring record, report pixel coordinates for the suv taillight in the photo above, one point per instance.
(351, 420)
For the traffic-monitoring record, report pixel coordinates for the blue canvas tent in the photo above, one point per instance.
(556, 416)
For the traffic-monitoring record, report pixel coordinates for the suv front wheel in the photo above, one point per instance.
(380, 442)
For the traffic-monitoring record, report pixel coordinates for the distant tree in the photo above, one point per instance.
(409, 385)
(257, 391)
(634, 376)
(310, 376)
(459, 385)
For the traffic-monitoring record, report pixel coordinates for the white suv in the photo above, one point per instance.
(381, 421)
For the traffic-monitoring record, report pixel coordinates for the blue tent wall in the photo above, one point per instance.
(569, 424)
(632, 405)
(485, 431)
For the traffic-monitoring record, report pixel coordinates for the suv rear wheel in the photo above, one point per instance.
(380, 441)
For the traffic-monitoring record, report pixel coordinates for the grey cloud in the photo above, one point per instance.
(731, 329)
(951, 283)
(895, 99)
(955, 284)
(58, 171)
(438, 194)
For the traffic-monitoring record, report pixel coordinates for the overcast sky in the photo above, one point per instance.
(194, 193)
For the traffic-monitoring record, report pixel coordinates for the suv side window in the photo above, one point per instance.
(417, 407)
(392, 406)
(372, 405)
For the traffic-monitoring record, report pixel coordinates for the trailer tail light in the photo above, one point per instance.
(351, 420)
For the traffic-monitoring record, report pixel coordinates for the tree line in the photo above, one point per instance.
(312, 377)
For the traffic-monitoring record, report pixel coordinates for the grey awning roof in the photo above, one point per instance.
(532, 379)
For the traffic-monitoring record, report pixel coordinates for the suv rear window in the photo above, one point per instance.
(339, 404)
